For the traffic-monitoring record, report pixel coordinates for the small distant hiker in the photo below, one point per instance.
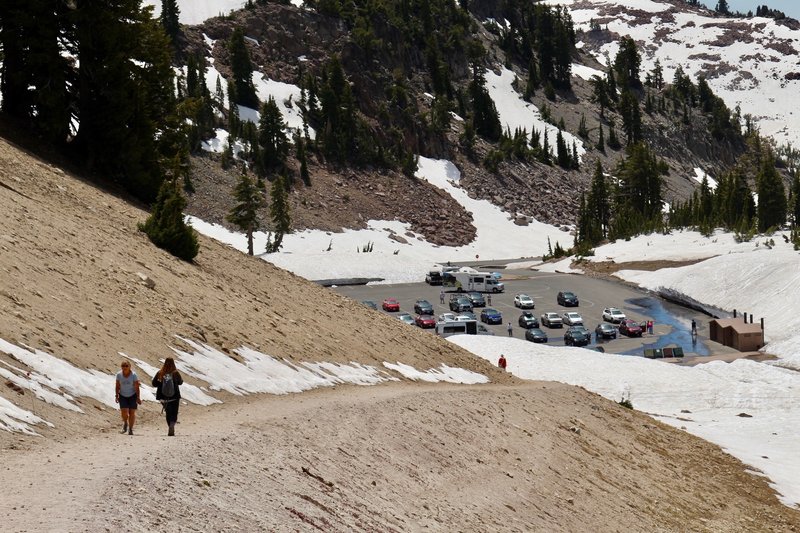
(650, 327)
(694, 327)
(510, 329)
(502, 362)
(441, 296)
(489, 299)
(126, 394)
(167, 382)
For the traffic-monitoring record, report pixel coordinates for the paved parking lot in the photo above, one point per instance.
(594, 294)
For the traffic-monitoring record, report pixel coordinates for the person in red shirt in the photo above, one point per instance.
(502, 362)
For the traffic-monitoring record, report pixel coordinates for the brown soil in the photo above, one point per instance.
(509, 456)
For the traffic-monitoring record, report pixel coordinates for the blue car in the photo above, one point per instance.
(491, 316)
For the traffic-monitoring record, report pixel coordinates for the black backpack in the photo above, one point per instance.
(167, 386)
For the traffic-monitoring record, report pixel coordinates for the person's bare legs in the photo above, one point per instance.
(131, 419)
(124, 413)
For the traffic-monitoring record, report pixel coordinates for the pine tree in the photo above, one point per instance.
(485, 117)
(170, 15)
(601, 143)
(598, 206)
(613, 141)
(600, 94)
(582, 130)
(272, 140)
(562, 154)
(300, 147)
(244, 214)
(242, 70)
(279, 214)
(165, 226)
(794, 207)
(125, 89)
(631, 116)
(627, 63)
(771, 195)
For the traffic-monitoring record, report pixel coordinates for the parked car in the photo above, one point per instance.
(477, 299)
(491, 316)
(612, 314)
(423, 307)
(567, 299)
(535, 335)
(390, 304)
(466, 315)
(571, 318)
(528, 320)
(523, 301)
(445, 317)
(370, 304)
(425, 321)
(577, 336)
(551, 320)
(460, 304)
(630, 328)
(605, 331)
(433, 277)
(405, 317)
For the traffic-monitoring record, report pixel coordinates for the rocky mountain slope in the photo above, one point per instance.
(287, 42)
(508, 456)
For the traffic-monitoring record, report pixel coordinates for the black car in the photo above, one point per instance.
(370, 304)
(567, 299)
(477, 299)
(535, 335)
(433, 278)
(605, 331)
(423, 307)
(577, 336)
(527, 320)
(460, 304)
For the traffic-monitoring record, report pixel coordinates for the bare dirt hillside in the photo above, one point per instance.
(509, 456)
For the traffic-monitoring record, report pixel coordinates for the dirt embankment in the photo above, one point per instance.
(509, 456)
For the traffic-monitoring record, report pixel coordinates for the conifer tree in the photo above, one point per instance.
(771, 195)
(598, 206)
(125, 88)
(485, 116)
(600, 94)
(242, 70)
(272, 140)
(165, 226)
(631, 117)
(582, 130)
(794, 207)
(170, 15)
(244, 214)
(300, 147)
(627, 63)
(279, 214)
(562, 154)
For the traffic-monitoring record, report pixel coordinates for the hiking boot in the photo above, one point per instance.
(125, 428)
(130, 431)
(171, 432)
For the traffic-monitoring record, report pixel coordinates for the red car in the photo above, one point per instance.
(390, 304)
(425, 321)
(630, 328)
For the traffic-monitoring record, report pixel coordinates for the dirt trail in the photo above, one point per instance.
(403, 457)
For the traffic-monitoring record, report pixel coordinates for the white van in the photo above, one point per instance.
(456, 327)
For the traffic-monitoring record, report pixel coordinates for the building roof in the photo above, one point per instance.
(738, 325)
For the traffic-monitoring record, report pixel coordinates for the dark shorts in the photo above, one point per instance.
(127, 402)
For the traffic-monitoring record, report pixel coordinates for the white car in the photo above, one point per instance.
(612, 314)
(523, 301)
(447, 317)
(571, 318)
(405, 317)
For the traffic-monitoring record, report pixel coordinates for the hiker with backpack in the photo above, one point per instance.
(126, 394)
(167, 382)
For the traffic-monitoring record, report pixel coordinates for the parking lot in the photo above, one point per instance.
(671, 321)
